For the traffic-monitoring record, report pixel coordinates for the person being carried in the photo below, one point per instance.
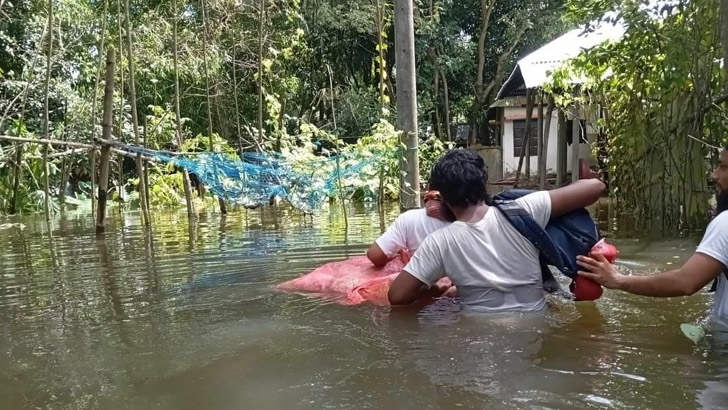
(407, 232)
(494, 267)
(704, 266)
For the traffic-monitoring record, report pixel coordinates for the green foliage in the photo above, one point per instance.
(656, 86)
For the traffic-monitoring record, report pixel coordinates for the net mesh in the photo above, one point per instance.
(254, 178)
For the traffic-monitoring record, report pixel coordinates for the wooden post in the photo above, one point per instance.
(526, 136)
(146, 167)
(575, 152)
(539, 143)
(404, 44)
(46, 118)
(220, 200)
(561, 151)
(106, 149)
(261, 18)
(134, 117)
(102, 38)
(545, 146)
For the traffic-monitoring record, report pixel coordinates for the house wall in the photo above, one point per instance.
(510, 162)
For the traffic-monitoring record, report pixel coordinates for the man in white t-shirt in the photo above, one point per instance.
(494, 267)
(706, 264)
(407, 233)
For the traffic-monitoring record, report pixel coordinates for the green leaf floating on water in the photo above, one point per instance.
(692, 332)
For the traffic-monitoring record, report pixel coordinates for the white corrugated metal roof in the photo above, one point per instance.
(535, 69)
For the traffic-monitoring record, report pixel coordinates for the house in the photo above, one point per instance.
(564, 128)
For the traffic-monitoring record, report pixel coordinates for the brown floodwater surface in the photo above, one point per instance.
(185, 316)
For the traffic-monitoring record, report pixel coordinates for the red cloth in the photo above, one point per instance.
(352, 281)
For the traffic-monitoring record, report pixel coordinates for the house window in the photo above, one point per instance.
(519, 132)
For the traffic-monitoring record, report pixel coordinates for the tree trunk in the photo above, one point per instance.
(724, 41)
(486, 8)
(135, 119)
(46, 119)
(180, 139)
(404, 41)
(221, 202)
(379, 23)
(106, 135)
(436, 122)
(446, 95)
(237, 107)
(102, 38)
(261, 23)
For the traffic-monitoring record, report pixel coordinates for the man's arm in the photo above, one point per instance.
(697, 272)
(576, 195)
(405, 289)
(377, 256)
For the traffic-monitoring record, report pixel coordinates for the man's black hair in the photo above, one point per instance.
(461, 177)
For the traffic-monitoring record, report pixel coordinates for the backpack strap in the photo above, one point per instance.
(524, 223)
(531, 230)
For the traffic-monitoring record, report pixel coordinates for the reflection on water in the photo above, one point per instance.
(183, 316)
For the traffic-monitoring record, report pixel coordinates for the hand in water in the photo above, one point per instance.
(600, 270)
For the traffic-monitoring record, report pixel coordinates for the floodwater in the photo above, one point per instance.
(185, 317)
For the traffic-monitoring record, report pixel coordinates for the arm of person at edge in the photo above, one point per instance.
(697, 272)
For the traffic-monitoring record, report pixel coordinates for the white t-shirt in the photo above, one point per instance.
(715, 245)
(494, 267)
(408, 232)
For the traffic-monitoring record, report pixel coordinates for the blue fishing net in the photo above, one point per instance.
(254, 178)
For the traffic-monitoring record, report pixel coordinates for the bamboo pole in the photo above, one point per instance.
(261, 19)
(134, 117)
(18, 169)
(545, 147)
(180, 139)
(106, 149)
(95, 102)
(575, 140)
(120, 161)
(561, 150)
(146, 167)
(338, 153)
(64, 162)
(221, 201)
(539, 142)
(526, 136)
(46, 119)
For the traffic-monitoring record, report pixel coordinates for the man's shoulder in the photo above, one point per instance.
(412, 215)
(721, 219)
